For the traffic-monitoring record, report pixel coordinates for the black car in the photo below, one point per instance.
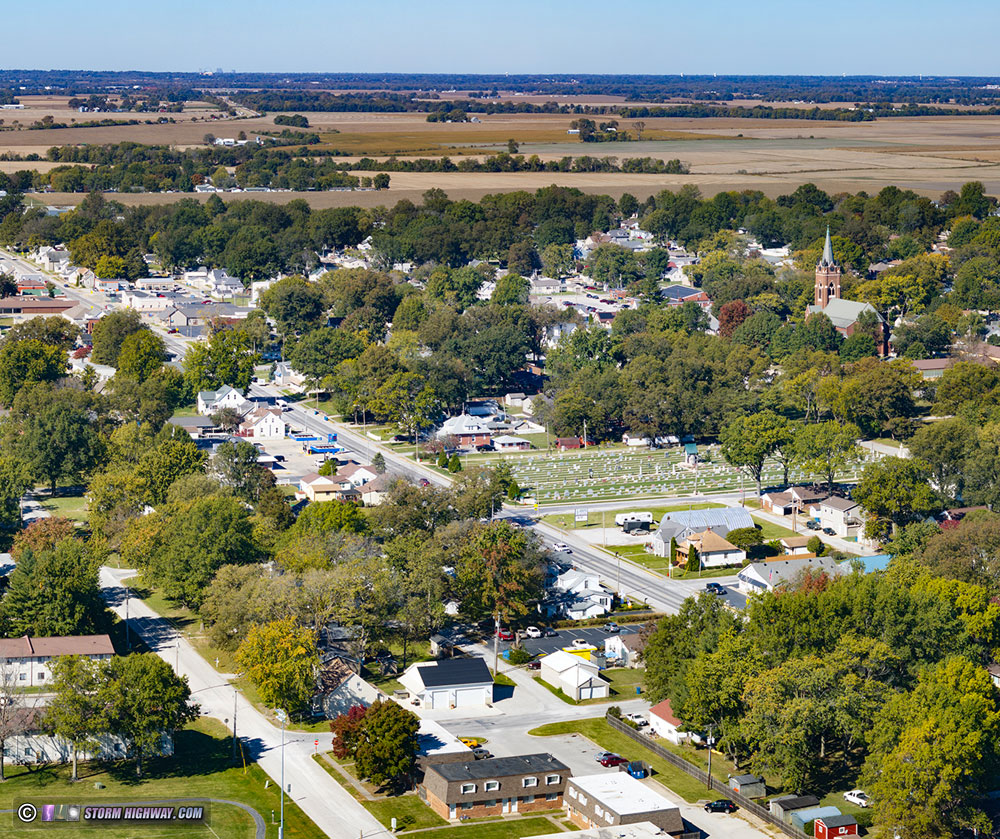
(722, 805)
(829, 531)
(715, 588)
(812, 525)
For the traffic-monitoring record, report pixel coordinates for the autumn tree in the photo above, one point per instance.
(280, 658)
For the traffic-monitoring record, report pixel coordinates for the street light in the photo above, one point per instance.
(282, 718)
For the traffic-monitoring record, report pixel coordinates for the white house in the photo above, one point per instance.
(766, 576)
(318, 487)
(842, 515)
(30, 659)
(356, 474)
(450, 683)
(339, 688)
(507, 442)
(286, 376)
(666, 725)
(713, 550)
(264, 424)
(578, 595)
(627, 647)
(577, 678)
(210, 401)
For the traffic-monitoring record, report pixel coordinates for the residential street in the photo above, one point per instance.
(328, 804)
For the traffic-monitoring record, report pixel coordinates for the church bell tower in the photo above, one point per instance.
(827, 276)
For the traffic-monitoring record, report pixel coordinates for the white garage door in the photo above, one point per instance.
(439, 698)
(468, 696)
(586, 693)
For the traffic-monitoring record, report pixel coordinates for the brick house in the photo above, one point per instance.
(495, 786)
(31, 658)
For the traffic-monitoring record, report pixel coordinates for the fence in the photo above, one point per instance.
(701, 775)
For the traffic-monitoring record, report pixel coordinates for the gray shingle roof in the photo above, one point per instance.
(499, 767)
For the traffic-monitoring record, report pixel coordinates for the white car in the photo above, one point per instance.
(856, 796)
(638, 719)
(533, 632)
(580, 643)
(561, 546)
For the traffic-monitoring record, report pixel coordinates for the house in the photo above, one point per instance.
(286, 376)
(578, 595)
(713, 550)
(374, 491)
(793, 499)
(436, 745)
(210, 401)
(356, 474)
(626, 648)
(577, 678)
(263, 423)
(678, 295)
(20, 309)
(450, 683)
(34, 744)
(842, 515)
(933, 368)
(795, 545)
(495, 786)
(507, 443)
(682, 524)
(31, 658)
(614, 798)
(749, 786)
(200, 314)
(828, 827)
(767, 576)
(468, 431)
(994, 670)
(318, 488)
(195, 426)
(666, 725)
(783, 806)
(339, 688)
(567, 443)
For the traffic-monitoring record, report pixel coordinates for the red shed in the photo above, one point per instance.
(830, 827)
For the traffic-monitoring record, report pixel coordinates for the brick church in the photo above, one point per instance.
(843, 314)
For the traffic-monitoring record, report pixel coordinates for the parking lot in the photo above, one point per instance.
(594, 635)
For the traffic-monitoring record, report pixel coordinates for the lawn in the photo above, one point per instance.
(607, 517)
(773, 531)
(624, 680)
(187, 411)
(68, 506)
(603, 735)
(502, 829)
(200, 769)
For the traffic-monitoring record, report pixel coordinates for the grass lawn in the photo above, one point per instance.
(409, 811)
(502, 829)
(201, 768)
(597, 519)
(624, 679)
(188, 411)
(68, 506)
(773, 531)
(599, 732)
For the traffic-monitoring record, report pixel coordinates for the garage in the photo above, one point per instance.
(469, 696)
(450, 683)
(439, 698)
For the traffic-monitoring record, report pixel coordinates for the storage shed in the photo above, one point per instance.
(751, 786)
(829, 827)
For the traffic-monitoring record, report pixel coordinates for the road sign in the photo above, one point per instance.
(580, 515)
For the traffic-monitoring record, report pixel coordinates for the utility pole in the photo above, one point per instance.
(235, 694)
(282, 717)
(128, 641)
(711, 743)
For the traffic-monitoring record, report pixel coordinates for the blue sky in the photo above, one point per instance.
(879, 37)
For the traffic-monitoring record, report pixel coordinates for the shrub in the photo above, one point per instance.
(815, 545)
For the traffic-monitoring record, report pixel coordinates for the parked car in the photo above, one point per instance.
(601, 755)
(467, 741)
(856, 796)
(715, 588)
(612, 760)
(829, 531)
(549, 632)
(479, 753)
(424, 482)
(812, 525)
(611, 627)
(721, 805)
(580, 643)
(505, 634)
(533, 632)
(534, 665)
(637, 718)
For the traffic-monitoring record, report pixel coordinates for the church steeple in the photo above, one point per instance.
(827, 276)
(827, 250)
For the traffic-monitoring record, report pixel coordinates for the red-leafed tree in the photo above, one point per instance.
(731, 315)
(346, 730)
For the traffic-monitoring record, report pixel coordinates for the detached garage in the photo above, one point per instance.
(450, 683)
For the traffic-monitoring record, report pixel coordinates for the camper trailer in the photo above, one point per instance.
(621, 518)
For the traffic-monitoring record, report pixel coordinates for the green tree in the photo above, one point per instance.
(226, 359)
(693, 561)
(945, 446)
(454, 464)
(25, 363)
(235, 465)
(318, 353)
(73, 714)
(53, 331)
(15, 480)
(294, 304)
(895, 490)
(280, 659)
(110, 333)
(511, 290)
(142, 354)
(54, 592)
(385, 750)
(825, 448)
(557, 260)
(142, 699)
(747, 442)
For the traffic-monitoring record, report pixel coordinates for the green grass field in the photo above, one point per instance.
(201, 768)
(603, 735)
(607, 518)
(72, 507)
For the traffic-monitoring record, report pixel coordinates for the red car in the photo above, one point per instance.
(612, 760)
(505, 634)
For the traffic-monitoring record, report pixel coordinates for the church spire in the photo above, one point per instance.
(827, 250)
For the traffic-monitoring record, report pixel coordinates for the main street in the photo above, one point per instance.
(327, 803)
